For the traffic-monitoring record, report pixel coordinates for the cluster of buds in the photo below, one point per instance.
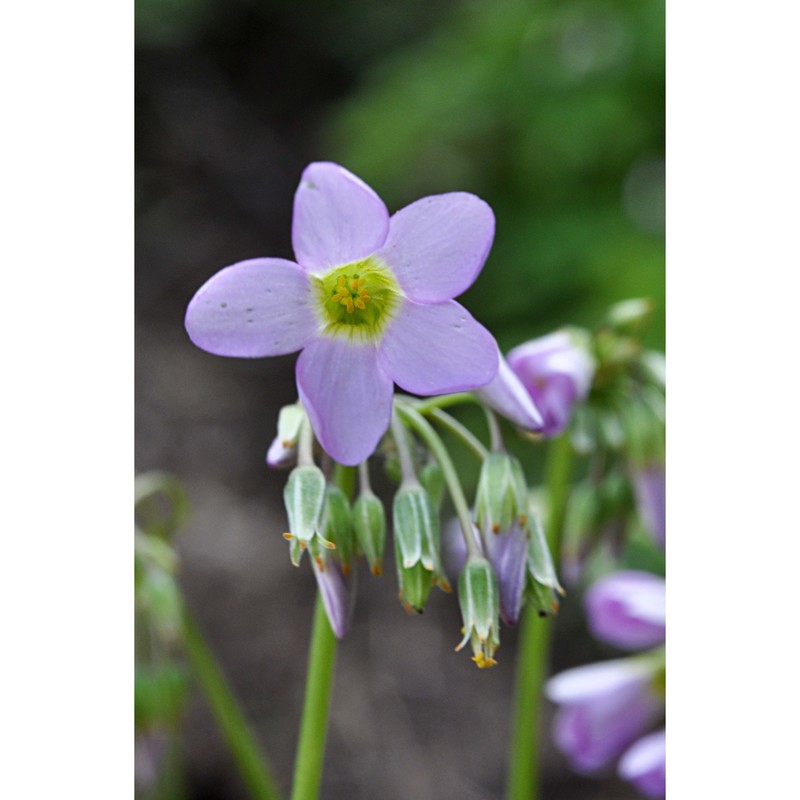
(506, 560)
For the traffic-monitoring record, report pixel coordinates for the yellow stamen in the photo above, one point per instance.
(288, 536)
(376, 569)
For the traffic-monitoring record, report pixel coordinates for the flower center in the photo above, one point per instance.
(357, 300)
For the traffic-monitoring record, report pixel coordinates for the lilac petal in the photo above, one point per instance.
(253, 309)
(334, 593)
(645, 765)
(605, 707)
(628, 609)
(506, 395)
(437, 246)
(508, 552)
(337, 218)
(454, 548)
(650, 488)
(557, 374)
(279, 456)
(437, 349)
(347, 395)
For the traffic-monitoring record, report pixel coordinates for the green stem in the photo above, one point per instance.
(524, 777)
(314, 722)
(319, 683)
(441, 401)
(460, 431)
(429, 435)
(252, 765)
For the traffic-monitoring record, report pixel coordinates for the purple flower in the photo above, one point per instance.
(369, 303)
(508, 396)
(603, 709)
(645, 765)
(557, 373)
(628, 609)
(507, 551)
(650, 489)
(334, 591)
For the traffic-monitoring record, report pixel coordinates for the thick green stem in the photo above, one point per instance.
(314, 722)
(524, 777)
(252, 765)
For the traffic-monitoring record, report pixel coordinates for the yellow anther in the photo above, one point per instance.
(342, 283)
(345, 569)
(523, 520)
(360, 304)
(288, 536)
(445, 586)
(303, 545)
(376, 569)
(495, 528)
(320, 563)
(483, 662)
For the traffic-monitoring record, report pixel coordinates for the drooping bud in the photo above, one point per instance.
(417, 540)
(478, 596)
(501, 500)
(282, 452)
(336, 525)
(333, 588)
(304, 496)
(543, 587)
(432, 478)
(369, 521)
(501, 508)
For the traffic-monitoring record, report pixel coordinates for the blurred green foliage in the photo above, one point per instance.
(554, 113)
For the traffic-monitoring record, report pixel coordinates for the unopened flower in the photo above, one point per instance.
(501, 511)
(283, 450)
(369, 521)
(417, 539)
(628, 609)
(603, 709)
(507, 395)
(543, 587)
(304, 498)
(369, 303)
(333, 589)
(557, 371)
(478, 596)
(650, 489)
(645, 764)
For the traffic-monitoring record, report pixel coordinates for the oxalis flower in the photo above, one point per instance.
(368, 301)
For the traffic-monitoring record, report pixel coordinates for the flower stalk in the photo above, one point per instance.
(252, 765)
(534, 644)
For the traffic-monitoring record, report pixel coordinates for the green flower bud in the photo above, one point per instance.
(337, 525)
(369, 520)
(542, 587)
(304, 496)
(432, 478)
(479, 598)
(501, 499)
(630, 316)
(417, 540)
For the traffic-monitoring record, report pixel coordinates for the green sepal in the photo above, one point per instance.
(542, 586)
(417, 538)
(432, 478)
(479, 599)
(415, 584)
(369, 521)
(337, 524)
(304, 496)
(502, 495)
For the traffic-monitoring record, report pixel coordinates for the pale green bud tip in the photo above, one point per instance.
(369, 520)
(502, 495)
(304, 496)
(479, 598)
